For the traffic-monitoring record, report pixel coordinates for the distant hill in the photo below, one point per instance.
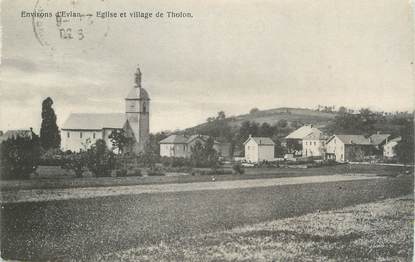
(272, 116)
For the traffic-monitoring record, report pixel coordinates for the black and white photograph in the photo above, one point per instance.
(224, 130)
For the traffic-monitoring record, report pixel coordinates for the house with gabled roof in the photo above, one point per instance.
(345, 148)
(314, 145)
(178, 145)
(258, 149)
(294, 140)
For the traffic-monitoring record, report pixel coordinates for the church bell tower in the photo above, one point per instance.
(137, 107)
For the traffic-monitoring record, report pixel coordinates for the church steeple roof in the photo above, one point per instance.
(138, 75)
(138, 92)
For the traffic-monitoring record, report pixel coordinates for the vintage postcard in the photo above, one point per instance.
(222, 130)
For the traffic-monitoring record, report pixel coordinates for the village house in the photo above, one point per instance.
(389, 151)
(344, 148)
(378, 140)
(181, 145)
(294, 141)
(258, 149)
(82, 130)
(314, 145)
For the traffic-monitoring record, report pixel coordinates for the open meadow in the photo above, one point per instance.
(79, 229)
(379, 231)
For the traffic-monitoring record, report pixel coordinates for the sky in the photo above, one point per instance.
(231, 55)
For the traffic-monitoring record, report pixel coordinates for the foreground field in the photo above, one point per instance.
(250, 173)
(41, 195)
(381, 231)
(79, 228)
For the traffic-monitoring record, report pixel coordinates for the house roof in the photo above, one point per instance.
(353, 139)
(261, 140)
(182, 139)
(379, 138)
(94, 121)
(395, 140)
(203, 137)
(174, 139)
(315, 136)
(302, 132)
(138, 93)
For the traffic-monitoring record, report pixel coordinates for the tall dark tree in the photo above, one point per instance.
(49, 132)
(405, 148)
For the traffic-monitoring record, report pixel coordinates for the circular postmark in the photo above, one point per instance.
(69, 25)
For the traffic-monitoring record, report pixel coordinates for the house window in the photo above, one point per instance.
(68, 134)
(80, 134)
(93, 135)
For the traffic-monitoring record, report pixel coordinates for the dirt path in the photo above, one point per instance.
(38, 195)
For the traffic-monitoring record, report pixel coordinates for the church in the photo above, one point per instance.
(81, 130)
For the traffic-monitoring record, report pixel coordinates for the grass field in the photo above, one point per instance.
(380, 231)
(78, 229)
(250, 173)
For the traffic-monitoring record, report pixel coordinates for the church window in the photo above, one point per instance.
(80, 134)
(68, 134)
(144, 108)
(93, 135)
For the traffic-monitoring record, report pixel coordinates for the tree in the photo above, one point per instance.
(342, 110)
(49, 132)
(100, 160)
(197, 156)
(119, 140)
(221, 115)
(211, 156)
(282, 123)
(20, 156)
(204, 155)
(253, 111)
(150, 156)
(405, 148)
(266, 130)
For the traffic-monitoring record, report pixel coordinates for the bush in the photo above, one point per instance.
(121, 172)
(19, 157)
(76, 162)
(134, 172)
(155, 173)
(52, 157)
(100, 160)
(238, 168)
(174, 161)
(209, 172)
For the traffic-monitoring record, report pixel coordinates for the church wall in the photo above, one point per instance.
(75, 142)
